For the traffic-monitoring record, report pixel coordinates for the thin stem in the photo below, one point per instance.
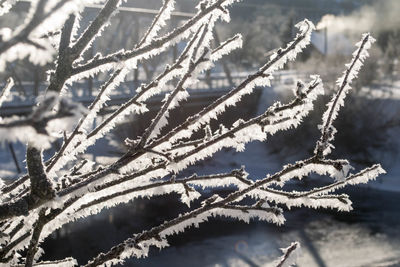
(95, 27)
(179, 87)
(78, 127)
(326, 132)
(32, 248)
(154, 23)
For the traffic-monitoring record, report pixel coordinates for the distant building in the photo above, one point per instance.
(331, 43)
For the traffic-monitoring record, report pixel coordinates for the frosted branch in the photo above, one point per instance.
(79, 135)
(159, 21)
(67, 56)
(323, 146)
(33, 244)
(145, 91)
(277, 117)
(261, 78)
(43, 16)
(156, 46)
(36, 204)
(95, 27)
(179, 93)
(138, 246)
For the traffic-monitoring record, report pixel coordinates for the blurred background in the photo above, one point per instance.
(368, 132)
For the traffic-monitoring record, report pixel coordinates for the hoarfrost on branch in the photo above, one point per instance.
(49, 195)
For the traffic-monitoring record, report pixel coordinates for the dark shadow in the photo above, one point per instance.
(314, 252)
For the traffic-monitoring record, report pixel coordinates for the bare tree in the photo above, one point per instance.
(50, 195)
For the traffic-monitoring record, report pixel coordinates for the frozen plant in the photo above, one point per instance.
(49, 195)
